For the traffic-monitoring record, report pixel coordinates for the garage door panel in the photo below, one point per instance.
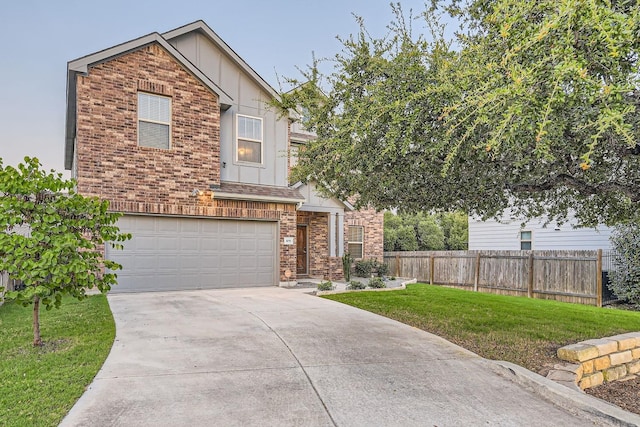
(180, 253)
(248, 245)
(168, 243)
(142, 242)
(210, 245)
(189, 243)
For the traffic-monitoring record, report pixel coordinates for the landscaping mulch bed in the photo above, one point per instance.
(625, 394)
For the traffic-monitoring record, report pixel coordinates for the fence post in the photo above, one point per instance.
(397, 265)
(530, 281)
(476, 278)
(431, 269)
(599, 279)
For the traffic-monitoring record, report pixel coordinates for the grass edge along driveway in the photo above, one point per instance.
(520, 330)
(40, 385)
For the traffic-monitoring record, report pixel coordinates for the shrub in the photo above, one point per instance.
(376, 283)
(355, 285)
(625, 277)
(382, 269)
(364, 268)
(325, 286)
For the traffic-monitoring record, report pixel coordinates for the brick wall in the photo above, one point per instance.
(318, 243)
(109, 161)
(111, 165)
(373, 223)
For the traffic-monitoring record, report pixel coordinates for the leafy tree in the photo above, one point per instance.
(534, 110)
(52, 239)
(390, 238)
(428, 232)
(625, 276)
(455, 226)
(407, 240)
(425, 232)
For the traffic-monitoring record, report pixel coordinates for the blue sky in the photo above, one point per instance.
(41, 36)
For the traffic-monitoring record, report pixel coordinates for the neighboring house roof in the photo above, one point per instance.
(81, 66)
(201, 27)
(262, 193)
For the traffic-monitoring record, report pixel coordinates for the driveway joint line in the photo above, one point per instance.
(315, 390)
(225, 371)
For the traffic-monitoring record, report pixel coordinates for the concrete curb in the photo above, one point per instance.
(402, 286)
(591, 408)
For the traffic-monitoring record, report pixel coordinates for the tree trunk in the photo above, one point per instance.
(37, 341)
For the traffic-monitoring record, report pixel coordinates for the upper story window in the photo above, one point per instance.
(249, 139)
(355, 236)
(154, 120)
(525, 240)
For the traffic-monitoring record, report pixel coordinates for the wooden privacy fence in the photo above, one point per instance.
(570, 276)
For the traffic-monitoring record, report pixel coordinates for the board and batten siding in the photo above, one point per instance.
(249, 99)
(505, 235)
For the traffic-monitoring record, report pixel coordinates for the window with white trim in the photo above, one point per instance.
(249, 146)
(525, 240)
(355, 237)
(154, 121)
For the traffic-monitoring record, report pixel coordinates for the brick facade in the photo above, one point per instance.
(111, 165)
(373, 228)
(109, 161)
(321, 264)
(318, 241)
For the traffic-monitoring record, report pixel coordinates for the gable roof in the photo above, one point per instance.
(81, 66)
(202, 28)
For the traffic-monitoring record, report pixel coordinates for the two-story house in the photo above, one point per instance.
(174, 129)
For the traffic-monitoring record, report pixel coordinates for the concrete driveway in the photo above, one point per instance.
(278, 357)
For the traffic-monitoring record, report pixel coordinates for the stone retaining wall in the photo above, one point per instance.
(607, 359)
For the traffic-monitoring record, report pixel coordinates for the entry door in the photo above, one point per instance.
(302, 250)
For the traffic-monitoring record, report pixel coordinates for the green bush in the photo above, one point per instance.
(326, 286)
(365, 267)
(355, 285)
(382, 269)
(376, 283)
(625, 277)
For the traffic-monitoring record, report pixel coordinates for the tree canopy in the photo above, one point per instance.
(425, 232)
(533, 107)
(52, 239)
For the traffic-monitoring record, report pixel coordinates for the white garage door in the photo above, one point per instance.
(181, 253)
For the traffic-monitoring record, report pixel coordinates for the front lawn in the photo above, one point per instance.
(38, 386)
(524, 331)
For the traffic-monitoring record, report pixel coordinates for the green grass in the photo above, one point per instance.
(524, 331)
(38, 386)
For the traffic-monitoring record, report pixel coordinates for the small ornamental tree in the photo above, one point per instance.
(625, 276)
(52, 239)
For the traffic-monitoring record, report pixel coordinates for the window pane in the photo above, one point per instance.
(153, 135)
(355, 249)
(525, 246)
(525, 235)
(249, 128)
(156, 108)
(355, 233)
(249, 151)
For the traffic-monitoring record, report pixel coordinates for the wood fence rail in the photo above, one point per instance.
(570, 276)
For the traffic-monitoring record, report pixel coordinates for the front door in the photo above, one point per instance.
(301, 241)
